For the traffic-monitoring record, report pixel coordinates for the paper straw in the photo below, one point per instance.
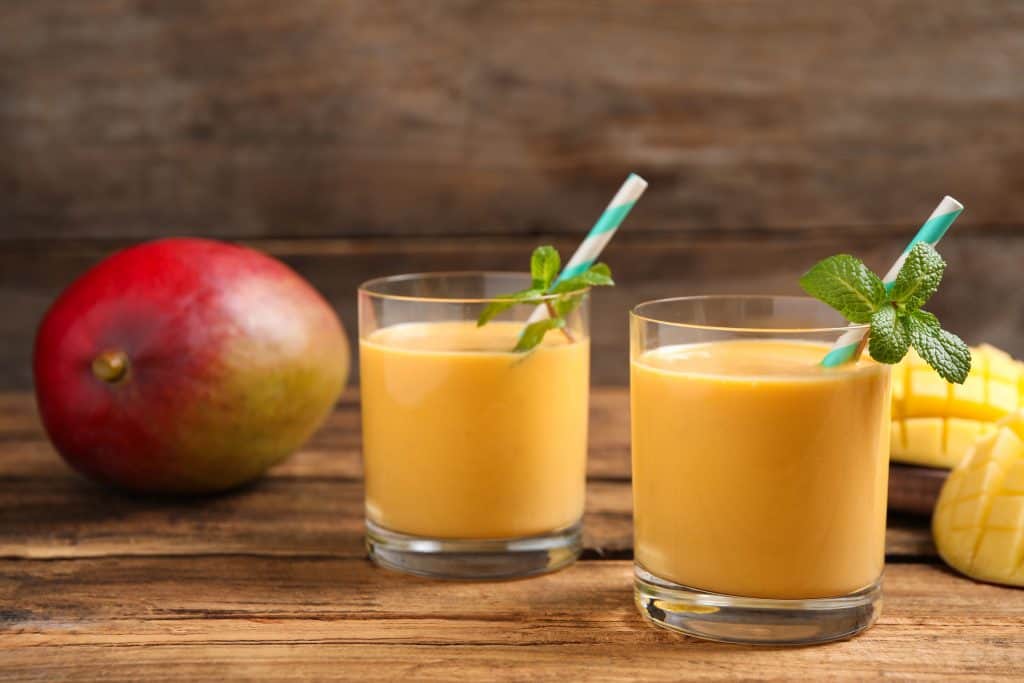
(845, 348)
(599, 236)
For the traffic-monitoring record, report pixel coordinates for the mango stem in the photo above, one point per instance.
(110, 366)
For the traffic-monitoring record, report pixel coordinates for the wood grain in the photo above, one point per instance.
(646, 267)
(315, 618)
(261, 118)
(310, 505)
(271, 582)
(915, 489)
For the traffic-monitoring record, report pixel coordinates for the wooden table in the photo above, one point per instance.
(272, 581)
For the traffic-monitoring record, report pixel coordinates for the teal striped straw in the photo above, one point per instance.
(931, 232)
(599, 236)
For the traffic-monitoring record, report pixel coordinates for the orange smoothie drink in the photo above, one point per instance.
(474, 453)
(759, 476)
(756, 471)
(463, 438)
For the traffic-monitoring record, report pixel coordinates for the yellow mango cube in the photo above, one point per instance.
(993, 389)
(1006, 448)
(927, 394)
(922, 441)
(978, 524)
(970, 400)
(1002, 397)
(960, 436)
(976, 480)
(1014, 480)
(1007, 512)
(1001, 366)
(998, 553)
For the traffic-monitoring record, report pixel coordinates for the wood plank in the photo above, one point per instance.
(312, 504)
(646, 267)
(256, 117)
(63, 516)
(332, 453)
(914, 489)
(68, 517)
(155, 618)
(309, 505)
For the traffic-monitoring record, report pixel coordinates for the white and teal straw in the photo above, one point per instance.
(931, 232)
(599, 236)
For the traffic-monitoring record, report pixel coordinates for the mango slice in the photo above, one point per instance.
(979, 520)
(934, 422)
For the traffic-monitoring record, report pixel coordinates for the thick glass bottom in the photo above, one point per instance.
(734, 619)
(445, 558)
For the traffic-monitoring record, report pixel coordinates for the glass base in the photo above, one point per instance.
(444, 558)
(734, 619)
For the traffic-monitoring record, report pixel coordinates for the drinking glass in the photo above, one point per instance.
(759, 477)
(474, 454)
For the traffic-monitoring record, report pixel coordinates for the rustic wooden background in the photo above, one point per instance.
(356, 138)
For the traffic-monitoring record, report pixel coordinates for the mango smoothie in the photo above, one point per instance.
(758, 473)
(465, 439)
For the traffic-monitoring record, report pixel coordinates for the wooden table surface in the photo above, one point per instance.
(272, 581)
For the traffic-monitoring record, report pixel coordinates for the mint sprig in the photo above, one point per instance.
(544, 266)
(895, 314)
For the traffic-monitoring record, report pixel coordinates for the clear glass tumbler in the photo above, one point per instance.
(759, 477)
(474, 454)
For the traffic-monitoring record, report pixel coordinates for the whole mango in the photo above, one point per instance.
(186, 366)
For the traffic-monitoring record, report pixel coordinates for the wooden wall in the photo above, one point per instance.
(356, 138)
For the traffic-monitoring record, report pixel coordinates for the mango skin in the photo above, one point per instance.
(978, 524)
(233, 362)
(935, 422)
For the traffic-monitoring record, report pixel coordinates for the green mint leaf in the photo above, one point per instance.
(889, 340)
(847, 285)
(544, 265)
(567, 304)
(599, 274)
(494, 308)
(944, 351)
(533, 334)
(919, 277)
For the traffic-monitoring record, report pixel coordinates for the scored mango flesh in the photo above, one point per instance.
(935, 422)
(979, 520)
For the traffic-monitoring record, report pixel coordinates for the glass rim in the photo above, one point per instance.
(367, 287)
(635, 312)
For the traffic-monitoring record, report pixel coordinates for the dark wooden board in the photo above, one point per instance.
(913, 489)
(265, 118)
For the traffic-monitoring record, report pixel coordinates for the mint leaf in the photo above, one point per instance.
(544, 265)
(897, 321)
(567, 304)
(919, 277)
(598, 276)
(945, 352)
(494, 308)
(889, 340)
(533, 334)
(847, 285)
